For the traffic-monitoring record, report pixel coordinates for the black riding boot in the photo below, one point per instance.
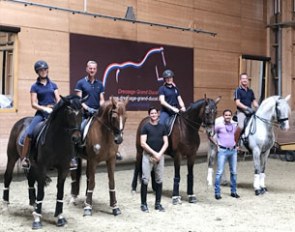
(158, 205)
(143, 194)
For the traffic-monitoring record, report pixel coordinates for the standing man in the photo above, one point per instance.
(154, 141)
(244, 98)
(226, 151)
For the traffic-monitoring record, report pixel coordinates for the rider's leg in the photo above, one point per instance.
(25, 152)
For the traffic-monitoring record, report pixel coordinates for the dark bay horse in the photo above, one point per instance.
(53, 149)
(102, 143)
(184, 142)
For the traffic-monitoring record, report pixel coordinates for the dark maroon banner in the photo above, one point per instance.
(132, 69)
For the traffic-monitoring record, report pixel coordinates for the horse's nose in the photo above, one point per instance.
(118, 139)
(76, 137)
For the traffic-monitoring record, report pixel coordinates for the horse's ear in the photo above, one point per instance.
(217, 99)
(113, 100)
(63, 98)
(288, 97)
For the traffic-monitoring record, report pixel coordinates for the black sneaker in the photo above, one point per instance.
(159, 207)
(235, 195)
(144, 208)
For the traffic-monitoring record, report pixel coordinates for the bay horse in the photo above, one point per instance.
(184, 142)
(53, 148)
(259, 136)
(102, 143)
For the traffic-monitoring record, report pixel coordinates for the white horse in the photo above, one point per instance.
(259, 135)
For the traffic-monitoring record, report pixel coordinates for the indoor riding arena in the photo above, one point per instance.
(207, 44)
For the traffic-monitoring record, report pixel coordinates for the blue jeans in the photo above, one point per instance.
(222, 156)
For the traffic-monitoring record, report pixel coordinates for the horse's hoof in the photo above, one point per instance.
(192, 199)
(133, 192)
(61, 222)
(257, 192)
(36, 225)
(73, 201)
(263, 190)
(116, 212)
(176, 200)
(87, 212)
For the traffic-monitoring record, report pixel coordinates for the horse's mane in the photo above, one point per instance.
(196, 104)
(57, 107)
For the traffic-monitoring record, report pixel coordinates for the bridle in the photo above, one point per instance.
(278, 114)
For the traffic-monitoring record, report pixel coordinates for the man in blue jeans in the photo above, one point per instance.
(225, 133)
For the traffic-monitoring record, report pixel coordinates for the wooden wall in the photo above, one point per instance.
(239, 24)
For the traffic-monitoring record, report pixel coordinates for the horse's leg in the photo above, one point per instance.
(37, 214)
(176, 198)
(75, 185)
(11, 160)
(263, 159)
(211, 157)
(257, 170)
(190, 178)
(32, 190)
(111, 164)
(62, 174)
(137, 171)
(90, 175)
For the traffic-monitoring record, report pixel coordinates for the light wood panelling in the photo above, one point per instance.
(33, 17)
(228, 7)
(228, 29)
(253, 37)
(253, 9)
(215, 69)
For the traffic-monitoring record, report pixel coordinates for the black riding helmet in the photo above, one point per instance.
(40, 64)
(167, 73)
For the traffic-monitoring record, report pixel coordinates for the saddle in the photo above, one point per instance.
(170, 123)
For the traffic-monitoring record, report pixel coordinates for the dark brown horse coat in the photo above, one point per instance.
(184, 142)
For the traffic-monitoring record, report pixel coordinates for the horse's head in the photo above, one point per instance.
(72, 116)
(210, 112)
(282, 112)
(117, 117)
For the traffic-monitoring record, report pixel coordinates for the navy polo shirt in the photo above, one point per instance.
(93, 90)
(45, 93)
(246, 96)
(171, 93)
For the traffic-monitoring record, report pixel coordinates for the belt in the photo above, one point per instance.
(227, 148)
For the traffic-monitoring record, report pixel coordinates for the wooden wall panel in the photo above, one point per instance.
(33, 17)
(54, 50)
(253, 37)
(228, 29)
(215, 69)
(229, 7)
(253, 9)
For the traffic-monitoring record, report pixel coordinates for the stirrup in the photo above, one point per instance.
(73, 164)
(25, 163)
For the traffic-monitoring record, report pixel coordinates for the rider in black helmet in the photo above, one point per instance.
(169, 97)
(44, 95)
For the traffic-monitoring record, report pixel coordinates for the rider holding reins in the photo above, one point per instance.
(244, 98)
(170, 99)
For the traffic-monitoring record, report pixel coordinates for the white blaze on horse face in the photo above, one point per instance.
(121, 123)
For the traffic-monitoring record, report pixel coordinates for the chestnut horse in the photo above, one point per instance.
(53, 149)
(184, 141)
(102, 143)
